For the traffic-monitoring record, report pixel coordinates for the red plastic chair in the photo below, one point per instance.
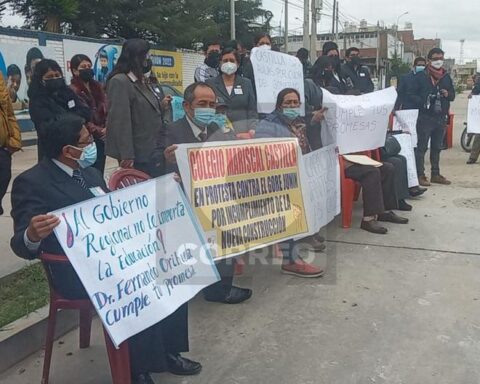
(119, 358)
(125, 177)
(350, 189)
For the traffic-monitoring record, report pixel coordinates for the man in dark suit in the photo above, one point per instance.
(355, 74)
(200, 103)
(63, 178)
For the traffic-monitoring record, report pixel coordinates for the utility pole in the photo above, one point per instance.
(377, 63)
(337, 21)
(286, 26)
(232, 20)
(317, 6)
(334, 18)
(306, 24)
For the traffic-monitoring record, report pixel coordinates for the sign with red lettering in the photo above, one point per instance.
(246, 194)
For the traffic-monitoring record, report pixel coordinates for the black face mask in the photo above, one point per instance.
(213, 59)
(335, 60)
(356, 61)
(328, 75)
(53, 85)
(147, 66)
(86, 75)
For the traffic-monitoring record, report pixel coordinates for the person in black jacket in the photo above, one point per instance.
(407, 98)
(50, 97)
(435, 87)
(356, 74)
(61, 179)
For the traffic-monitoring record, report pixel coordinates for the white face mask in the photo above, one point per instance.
(229, 68)
(437, 64)
(266, 47)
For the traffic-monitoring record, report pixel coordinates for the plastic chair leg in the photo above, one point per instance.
(85, 327)
(239, 266)
(119, 361)
(52, 319)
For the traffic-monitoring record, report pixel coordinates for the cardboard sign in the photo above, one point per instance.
(405, 141)
(406, 121)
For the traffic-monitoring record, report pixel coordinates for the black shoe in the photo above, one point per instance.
(471, 161)
(144, 378)
(182, 366)
(417, 191)
(373, 227)
(392, 217)
(404, 206)
(237, 295)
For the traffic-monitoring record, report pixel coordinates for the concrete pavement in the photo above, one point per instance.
(401, 308)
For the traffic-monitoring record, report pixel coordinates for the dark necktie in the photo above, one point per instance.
(202, 136)
(78, 177)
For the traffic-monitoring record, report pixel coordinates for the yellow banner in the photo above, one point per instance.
(246, 196)
(168, 68)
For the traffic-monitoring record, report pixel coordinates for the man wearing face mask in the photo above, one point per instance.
(407, 98)
(356, 74)
(209, 68)
(334, 76)
(199, 126)
(435, 86)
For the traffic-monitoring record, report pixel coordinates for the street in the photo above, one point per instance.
(400, 308)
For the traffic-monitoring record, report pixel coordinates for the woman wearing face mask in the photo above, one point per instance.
(50, 97)
(134, 111)
(286, 121)
(236, 91)
(327, 68)
(91, 93)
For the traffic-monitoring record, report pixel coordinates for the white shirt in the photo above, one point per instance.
(195, 129)
(33, 246)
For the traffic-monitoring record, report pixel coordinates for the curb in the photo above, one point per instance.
(25, 336)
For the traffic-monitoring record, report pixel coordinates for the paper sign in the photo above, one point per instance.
(177, 108)
(275, 71)
(407, 151)
(362, 160)
(357, 123)
(321, 187)
(139, 252)
(247, 194)
(473, 119)
(406, 121)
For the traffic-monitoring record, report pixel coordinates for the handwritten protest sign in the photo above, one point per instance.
(321, 186)
(357, 123)
(247, 194)
(406, 121)
(135, 263)
(473, 119)
(177, 108)
(275, 71)
(407, 151)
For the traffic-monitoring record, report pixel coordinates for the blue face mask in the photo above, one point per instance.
(204, 116)
(220, 119)
(291, 113)
(419, 68)
(88, 156)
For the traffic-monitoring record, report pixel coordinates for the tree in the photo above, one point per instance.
(48, 15)
(397, 67)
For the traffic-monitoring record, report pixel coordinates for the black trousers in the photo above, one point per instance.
(378, 187)
(5, 173)
(149, 348)
(222, 288)
(475, 148)
(429, 128)
(399, 163)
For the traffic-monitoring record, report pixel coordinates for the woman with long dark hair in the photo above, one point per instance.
(50, 97)
(134, 111)
(91, 93)
(286, 121)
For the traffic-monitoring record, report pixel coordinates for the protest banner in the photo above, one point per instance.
(168, 67)
(473, 118)
(321, 186)
(247, 194)
(275, 71)
(407, 151)
(357, 123)
(406, 121)
(135, 263)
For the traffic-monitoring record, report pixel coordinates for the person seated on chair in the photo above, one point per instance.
(198, 126)
(65, 177)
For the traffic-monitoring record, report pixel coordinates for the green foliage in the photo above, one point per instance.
(24, 292)
(398, 68)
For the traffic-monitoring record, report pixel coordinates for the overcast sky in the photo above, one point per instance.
(449, 20)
